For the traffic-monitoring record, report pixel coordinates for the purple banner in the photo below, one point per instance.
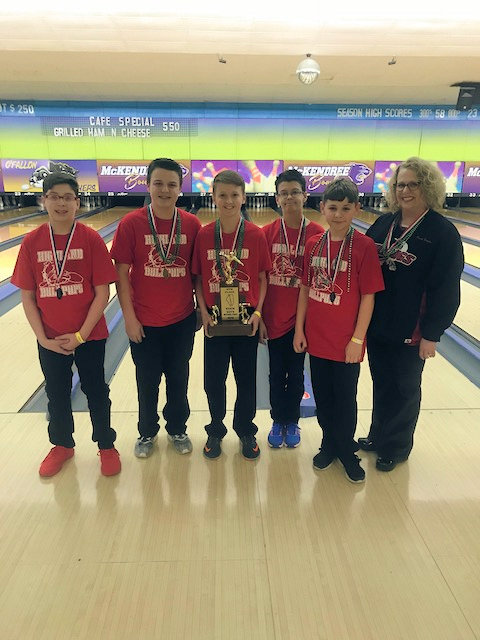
(1, 179)
(471, 178)
(28, 175)
(204, 171)
(259, 175)
(130, 176)
(319, 174)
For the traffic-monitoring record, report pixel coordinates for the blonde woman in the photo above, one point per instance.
(422, 260)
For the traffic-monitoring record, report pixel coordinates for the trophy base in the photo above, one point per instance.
(230, 328)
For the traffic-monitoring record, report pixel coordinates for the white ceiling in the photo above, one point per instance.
(102, 54)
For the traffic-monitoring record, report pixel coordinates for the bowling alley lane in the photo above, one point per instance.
(17, 213)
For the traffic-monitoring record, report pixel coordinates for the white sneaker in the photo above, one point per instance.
(144, 447)
(181, 442)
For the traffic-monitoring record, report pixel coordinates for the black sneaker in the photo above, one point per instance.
(213, 447)
(366, 444)
(323, 459)
(250, 448)
(388, 464)
(353, 470)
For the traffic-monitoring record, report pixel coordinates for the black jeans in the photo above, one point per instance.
(396, 371)
(57, 369)
(286, 379)
(335, 392)
(217, 353)
(164, 350)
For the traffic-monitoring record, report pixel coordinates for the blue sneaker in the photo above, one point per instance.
(292, 435)
(275, 437)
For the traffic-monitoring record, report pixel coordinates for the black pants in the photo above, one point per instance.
(335, 392)
(396, 371)
(286, 379)
(164, 350)
(217, 353)
(57, 369)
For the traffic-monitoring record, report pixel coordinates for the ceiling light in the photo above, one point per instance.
(308, 70)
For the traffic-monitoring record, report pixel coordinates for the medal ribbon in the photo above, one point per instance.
(176, 229)
(219, 244)
(325, 240)
(300, 237)
(60, 264)
(387, 250)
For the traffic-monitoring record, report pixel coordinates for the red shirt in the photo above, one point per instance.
(330, 325)
(285, 277)
(87, 265)
(158, 301)
(254, 256)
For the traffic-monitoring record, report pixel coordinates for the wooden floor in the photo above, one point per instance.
(183, 547)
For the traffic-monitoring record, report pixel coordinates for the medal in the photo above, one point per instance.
(388, 249)
(326, 278)
(60, 264)
(391, 264)
(292, 282)
(164, 253)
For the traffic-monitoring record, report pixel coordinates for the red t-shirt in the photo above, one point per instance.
(254, 256)
(285, 277)
(158, 301)
(87, 265)
(330, 325)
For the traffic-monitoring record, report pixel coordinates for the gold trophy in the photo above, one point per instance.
(230, 316)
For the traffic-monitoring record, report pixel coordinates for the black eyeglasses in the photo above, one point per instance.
(54, 197)
(412, 186)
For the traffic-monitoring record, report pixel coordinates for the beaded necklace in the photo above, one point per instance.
(164, 252)
(328, 279)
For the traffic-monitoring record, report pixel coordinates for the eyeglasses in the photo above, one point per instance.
(54, 197)
(295, 193)
(412, 186)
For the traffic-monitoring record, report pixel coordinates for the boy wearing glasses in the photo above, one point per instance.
(64, 271)
(286, 239)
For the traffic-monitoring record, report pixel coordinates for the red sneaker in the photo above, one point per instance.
(110, 462)
(54, 461)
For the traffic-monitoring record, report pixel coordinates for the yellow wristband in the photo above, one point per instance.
(78, 336)
(257, 313)
(356, 340)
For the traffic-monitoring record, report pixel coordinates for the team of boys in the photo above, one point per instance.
(307, 290)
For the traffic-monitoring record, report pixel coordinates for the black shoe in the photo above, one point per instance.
(387, 463)
(213, 447)
(323, 460)
(366, 444)
(353, 470)
(250, 448)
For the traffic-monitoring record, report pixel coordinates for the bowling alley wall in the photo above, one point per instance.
(108, 146)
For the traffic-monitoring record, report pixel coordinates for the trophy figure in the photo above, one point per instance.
(230, 316)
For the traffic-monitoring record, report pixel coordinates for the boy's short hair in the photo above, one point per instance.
(164, 163)
(228, 177)
(291, 175)
(341, 188)
(59, 177)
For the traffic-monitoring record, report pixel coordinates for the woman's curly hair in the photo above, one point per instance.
(432, 184)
